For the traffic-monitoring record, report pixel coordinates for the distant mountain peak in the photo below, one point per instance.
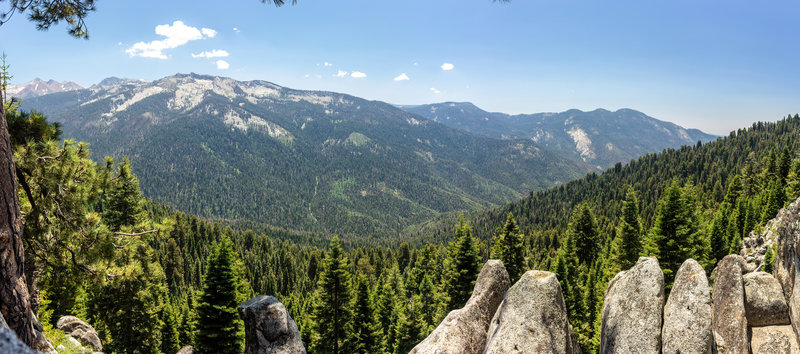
(38, 87)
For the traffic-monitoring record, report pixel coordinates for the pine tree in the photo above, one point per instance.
(363, 338)
(188, 326)
(331, 307)
(567, 271)
(776, 197)
(628, 244)
(717, 235)
(170, 336)
(583, 229)
(769, 260)
(784, 165)
(407, 326)
(673, 231)
(511, 252)
(123, 207)
(462, 268)
(384, 307)
(219, 327)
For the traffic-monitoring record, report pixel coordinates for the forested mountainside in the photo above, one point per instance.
(695, 202)
(309, 160)
(600, 137)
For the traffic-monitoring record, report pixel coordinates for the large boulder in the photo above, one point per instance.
(764, 301)
(80, 330)
(687, 314)
(268, 328)
(464, 330)
(10, 343)
(730, 321)
(532, 318)
(186, 350)
(632, 310)
(773, 340)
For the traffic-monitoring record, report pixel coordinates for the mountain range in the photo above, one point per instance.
(39, 87)
(600, 137)
(307, 160)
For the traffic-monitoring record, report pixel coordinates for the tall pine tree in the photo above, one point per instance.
(331, 309)
(628, 244)
(219, 329)
(583, 229)
(510, 249)
(672, 238)
(363, 337)
(462, 268)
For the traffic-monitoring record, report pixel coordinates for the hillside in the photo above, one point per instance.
(708, 167)
(309, 160)
(599, 137)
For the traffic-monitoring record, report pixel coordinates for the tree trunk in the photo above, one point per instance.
(14, 298)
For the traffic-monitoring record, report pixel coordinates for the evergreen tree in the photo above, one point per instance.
(363, 336)
(170, 336)
(673, 231)
(188, 326)
(628, 244)
(567, 271)
(784, 165)
(123, 206)
(510, 249)
(408, 325)
(775, 200)
(331, 307)
(218, 325)
(583, 229)
(463, 267)
(717, 235)
(384, 309)
(769, 259)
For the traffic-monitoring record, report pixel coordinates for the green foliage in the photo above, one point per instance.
(628, 242)
(583, 230)
(769, 260)
(123, 201)
(170, 334)
(462, 267)
(219, 329)
(510, 250)
(363, 338)
(331, 310)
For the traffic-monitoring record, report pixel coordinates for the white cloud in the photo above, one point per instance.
(235, 29)
(447, 66)
(210, 33)
(223, 65)
(402, 77)
(216, 53)
(341, 74)
(175, 35)
(416, 64)
(327, 64)
(358, 75)
(434, 90)
(307, 76)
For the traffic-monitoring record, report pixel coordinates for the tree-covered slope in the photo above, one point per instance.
(708, 167)
(316, 161)
(599, 137)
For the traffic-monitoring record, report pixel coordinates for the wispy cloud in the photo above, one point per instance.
(236, 29)
(358, 75)
(402, 77)
(327, 64)
(210, 33)
(434, 90)
(340, 73)
(223, 65)
(175, 35)
(216, 53)
(447, 66)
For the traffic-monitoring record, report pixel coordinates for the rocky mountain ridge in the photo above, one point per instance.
(39, 87)
(598, 137)
(308, 160)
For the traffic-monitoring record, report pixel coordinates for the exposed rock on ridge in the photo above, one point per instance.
(687, 314)
(269, 328)
(464, 330)
(632, 310)
(532, 318)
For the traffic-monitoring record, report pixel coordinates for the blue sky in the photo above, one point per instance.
(713, 65)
